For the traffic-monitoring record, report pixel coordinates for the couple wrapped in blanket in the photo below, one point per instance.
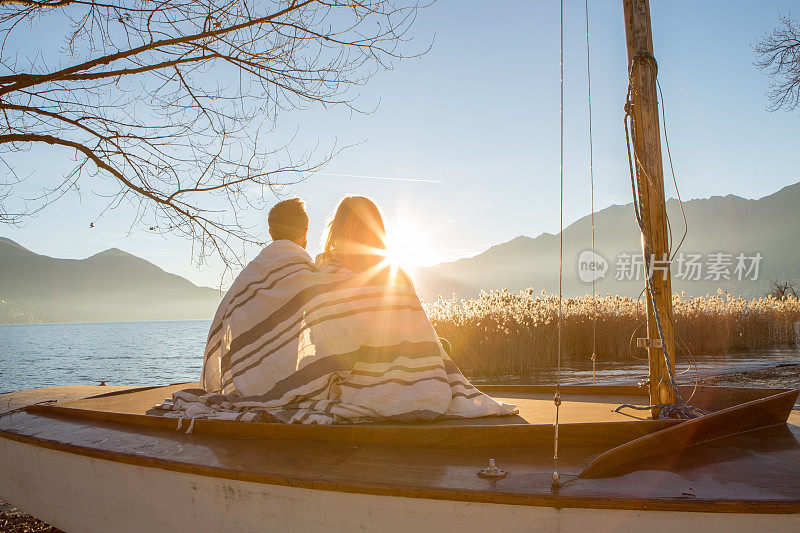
(342, 340)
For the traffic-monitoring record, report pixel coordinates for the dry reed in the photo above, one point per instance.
(506, 333)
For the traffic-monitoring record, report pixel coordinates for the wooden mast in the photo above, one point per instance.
(650, 183)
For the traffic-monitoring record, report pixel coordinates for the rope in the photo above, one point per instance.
(591, 186)
(556, 482)
(680, 409)
(674, 179)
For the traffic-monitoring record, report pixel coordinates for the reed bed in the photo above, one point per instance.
(504, 333)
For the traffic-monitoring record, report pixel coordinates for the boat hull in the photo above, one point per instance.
(80, 493)
(102, 464)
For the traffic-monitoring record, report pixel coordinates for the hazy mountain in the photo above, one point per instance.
(728, 225)
(115, 285)
(110, 285)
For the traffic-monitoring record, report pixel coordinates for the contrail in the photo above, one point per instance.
(418, 180)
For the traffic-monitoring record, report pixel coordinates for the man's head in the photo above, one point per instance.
(289, 220)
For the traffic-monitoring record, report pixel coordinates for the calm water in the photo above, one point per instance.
(579, 370)
(157, 353)
(125, 353)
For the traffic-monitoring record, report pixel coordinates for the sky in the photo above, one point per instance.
(462, 150)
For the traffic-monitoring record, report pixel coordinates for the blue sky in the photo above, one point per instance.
(477, 117)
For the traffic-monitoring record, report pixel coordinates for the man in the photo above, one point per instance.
(288, 220)
(254, 304)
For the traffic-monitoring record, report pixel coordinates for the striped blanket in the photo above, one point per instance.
(294, 343)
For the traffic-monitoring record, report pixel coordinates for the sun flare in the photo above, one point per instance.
(408, 247)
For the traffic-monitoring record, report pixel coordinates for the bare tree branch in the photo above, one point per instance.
(170, 100)
(32, 3)
(779, 56)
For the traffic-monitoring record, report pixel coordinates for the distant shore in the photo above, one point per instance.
(33, 323)
(784, 375)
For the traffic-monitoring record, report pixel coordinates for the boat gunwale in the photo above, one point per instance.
(603, 433)
(573, 388)
(450, 436)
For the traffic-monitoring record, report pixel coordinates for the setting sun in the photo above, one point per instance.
(408, 247)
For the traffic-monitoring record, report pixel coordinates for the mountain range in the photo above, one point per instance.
(109, 286)
(727, 225)
(115, 285)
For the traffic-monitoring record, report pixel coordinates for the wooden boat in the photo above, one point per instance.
(103, 464)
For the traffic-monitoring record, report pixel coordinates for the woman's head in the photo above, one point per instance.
(356, 237)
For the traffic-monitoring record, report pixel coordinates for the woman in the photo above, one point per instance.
(401, 370)
(355, 238)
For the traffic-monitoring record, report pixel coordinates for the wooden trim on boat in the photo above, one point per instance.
(457, 436)
(602, 434)
(756, 414)
(605, 390)
(466, 495)
(707, 397)
(129, 391)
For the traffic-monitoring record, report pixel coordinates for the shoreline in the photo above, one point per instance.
(783, 375)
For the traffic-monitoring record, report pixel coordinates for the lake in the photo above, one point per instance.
(158, 353)
(125, 353)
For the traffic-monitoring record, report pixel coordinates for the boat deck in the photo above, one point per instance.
(755, 471)
(16, 400)
(534, 407)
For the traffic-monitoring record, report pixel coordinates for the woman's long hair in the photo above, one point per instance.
(356, 237)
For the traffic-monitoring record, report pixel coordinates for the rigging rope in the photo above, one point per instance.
(556, 483)
(679, 409)
(591, 186)
(674, 179)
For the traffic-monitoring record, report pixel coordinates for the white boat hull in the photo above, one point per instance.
(82, 494)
